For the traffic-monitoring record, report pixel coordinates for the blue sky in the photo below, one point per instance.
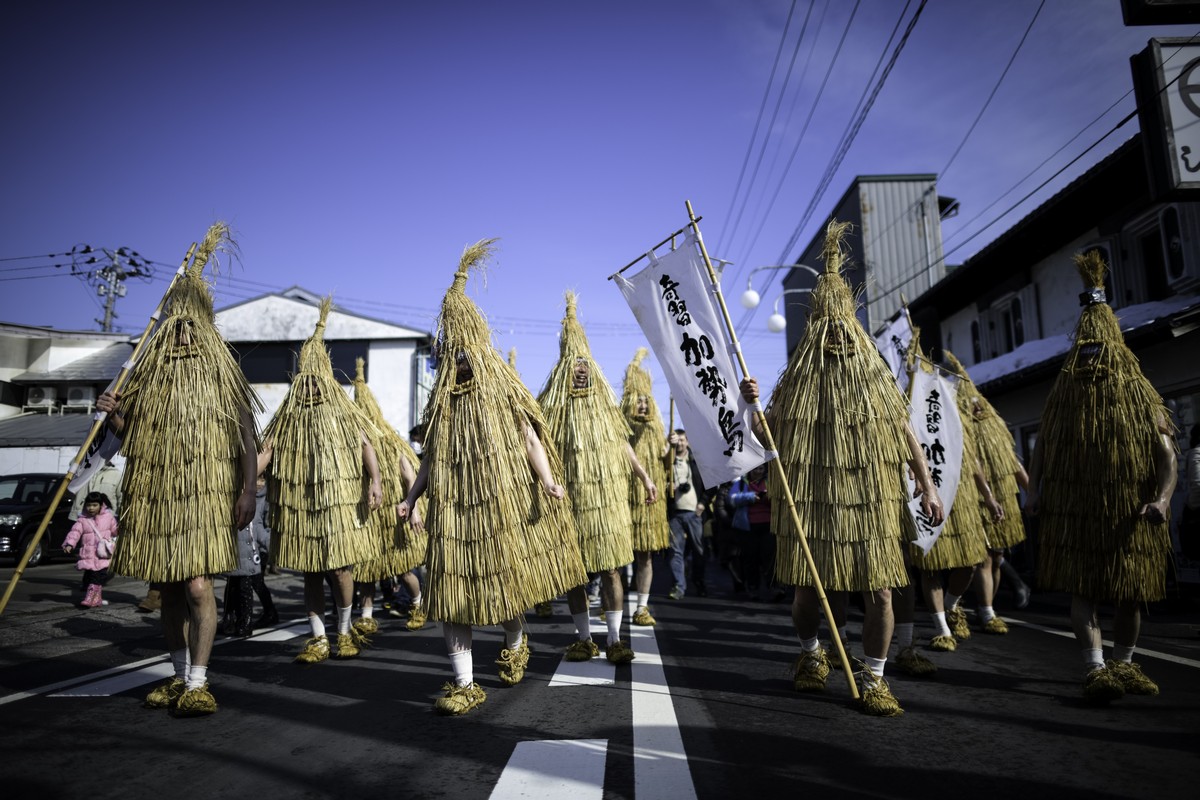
(356, 148)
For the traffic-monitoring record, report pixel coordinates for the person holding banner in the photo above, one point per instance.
(1100, 481)
(651, 532)
(1004, 473)
(588, 429)
(501, 534)
(187, 433)
(406, 541)
(323, 486)
(842, 429)
(962, 544)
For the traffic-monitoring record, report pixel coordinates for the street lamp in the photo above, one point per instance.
(751, 298)
(776, 323)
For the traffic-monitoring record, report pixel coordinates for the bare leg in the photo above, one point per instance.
(577, 600)
(366, 595)
(806, 612)
(985, 583)
(202, 618)
(1086, 623)
(644, 566)
(343, 587)
(314, 594)
(960, 580)
(174, 616)
(411, 584)
(612, 590)
(904, 603)
(1127, 624)
(878, 623)
(932, 588)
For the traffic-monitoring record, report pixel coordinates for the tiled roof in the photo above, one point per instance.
(99, 367)
(44, 430)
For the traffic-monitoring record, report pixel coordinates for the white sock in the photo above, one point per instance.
(875, 665)
(904, 634)
(1123, 653)
(196, 676)
(181, 662)
(583, 624)
(463, 666)
(939, 623)
(416, 601)
(1093, 659)
(317, 625)
(810, 645)
(643, 598)
(613, 619)
(368, 612)
(512, 639)
(343, 619)
(986, 614)
(949, 601)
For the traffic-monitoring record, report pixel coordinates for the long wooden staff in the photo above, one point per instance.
(97, 425)
(777, 463)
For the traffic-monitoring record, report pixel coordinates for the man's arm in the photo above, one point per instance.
(1165, 467)
(247, 502)
(409, 504)
(643, 475)
(931, 503)
(409, 476)
(110, 404)
(540, 462)
(985, 491)
(375, 491)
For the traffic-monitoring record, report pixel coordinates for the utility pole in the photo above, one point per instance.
(122, 263)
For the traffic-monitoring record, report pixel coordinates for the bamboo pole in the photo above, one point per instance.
(98, 422)
(761, 419)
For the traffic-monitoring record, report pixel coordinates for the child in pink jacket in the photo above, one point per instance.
(95, 531)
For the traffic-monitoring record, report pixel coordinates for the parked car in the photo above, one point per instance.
(24, 499)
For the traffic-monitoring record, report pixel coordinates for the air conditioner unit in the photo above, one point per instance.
(1179, 236)
(41, 396)
(81, 396)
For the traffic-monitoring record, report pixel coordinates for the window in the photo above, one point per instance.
(277, 362)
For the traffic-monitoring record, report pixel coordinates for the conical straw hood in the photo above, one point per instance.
(191, 298)
(314, 357)
(1099, 347)
(637, 384)
(832, 296)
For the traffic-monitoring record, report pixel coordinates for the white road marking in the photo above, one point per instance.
(598, 671)
(128, 676)
(660, 766)
(1140, 651)
(558, 768)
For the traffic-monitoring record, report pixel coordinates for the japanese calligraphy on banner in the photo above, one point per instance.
(893, 346)
(938, 428)
(673, 302)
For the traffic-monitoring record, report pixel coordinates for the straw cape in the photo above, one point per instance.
(1100, 427)
(184, 403)
(1000, 464)
(498, 544)
(839, 423)
(317, 481)
(591, 435)
(962, 542)
(406, 547)
(651, 531)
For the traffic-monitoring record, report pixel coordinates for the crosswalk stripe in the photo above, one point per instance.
(595, 672)
(660, 766)
(555, 768)
(1141, 651)
(120, 683)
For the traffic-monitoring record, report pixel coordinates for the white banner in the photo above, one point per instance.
(674, 303)
(936, 422)
(893, 346)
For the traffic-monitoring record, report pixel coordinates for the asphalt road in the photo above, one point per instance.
(706, 711)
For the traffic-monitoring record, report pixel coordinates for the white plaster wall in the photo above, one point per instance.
(14, 356)
(1059, 287)
(36, 459)
(390, 376)
(274, 318)
(956, 333)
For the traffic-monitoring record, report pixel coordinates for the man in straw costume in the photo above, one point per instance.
(1004, 473)
(185, 419)
(323, 485)
(592, 438)
(544, 609)
(407, 541)
(1101, 480)
(651, 531)
(501, 536)
(962, 545)
(841, 426)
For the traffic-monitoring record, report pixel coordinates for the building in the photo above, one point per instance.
(266, 333)
(49, 379)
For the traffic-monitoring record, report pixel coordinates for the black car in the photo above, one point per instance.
(24, 499)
